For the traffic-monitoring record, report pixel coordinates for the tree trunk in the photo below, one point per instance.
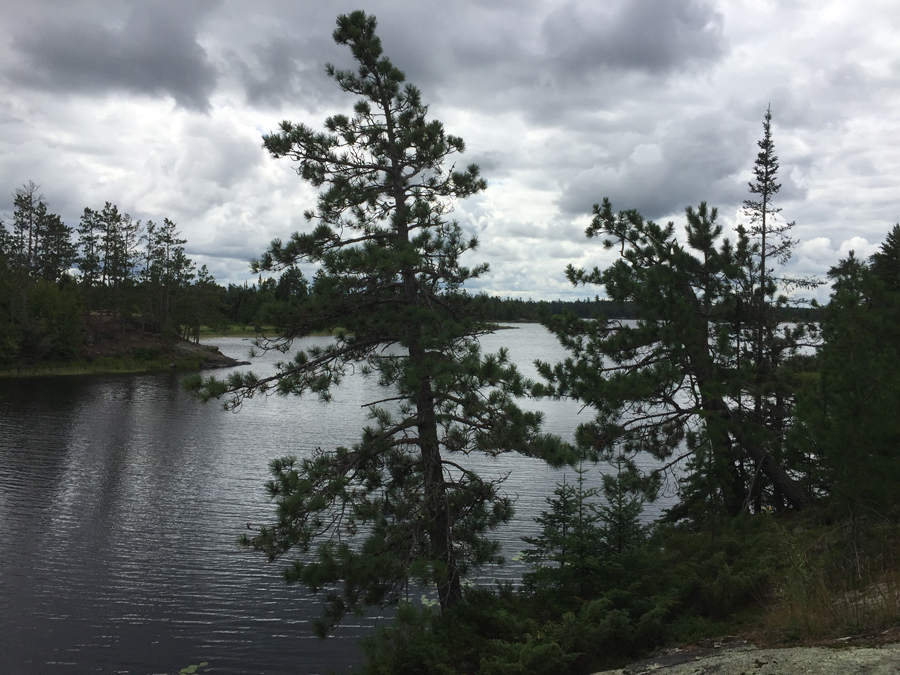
(790, 489)
(446, 571)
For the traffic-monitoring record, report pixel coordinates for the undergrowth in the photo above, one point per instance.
(793, 579)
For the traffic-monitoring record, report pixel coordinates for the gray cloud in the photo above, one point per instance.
(155, 52)
(666, 172)
(278, 73)
(656, 104)
(643, 35)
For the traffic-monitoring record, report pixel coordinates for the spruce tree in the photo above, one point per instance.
(765, 340)
(566, 551)
(847, 424)
(885, 263)
(771, 234)
(393, 509)
(619, 517)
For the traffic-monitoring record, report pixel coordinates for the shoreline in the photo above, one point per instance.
(181, 356)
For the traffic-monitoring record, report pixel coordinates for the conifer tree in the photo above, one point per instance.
(150, 275)
(620, 517)
(765, 341)
(566, 551)
(885, 262)
(40, 242)
(392, 509)
(89, 262)
(847, 424)
(29, 210)
(671, 381)
(771, 235)
(57, 252)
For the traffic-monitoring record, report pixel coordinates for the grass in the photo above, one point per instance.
(247, 332)
(233, 331)
(835, 581)
(101, 366)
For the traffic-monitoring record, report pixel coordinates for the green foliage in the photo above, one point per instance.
(620, 516)
(581, 538)
(675, 379)
(368, 521)
(886, 261)
(160, 282)
(39, 320)
(566, 553)
(705, 371)
(54, 327)
(847, 427)
(675, 586)
(39, 243)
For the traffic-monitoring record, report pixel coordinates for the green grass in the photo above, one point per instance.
(247, 332)
(233, 331)
(101, 366)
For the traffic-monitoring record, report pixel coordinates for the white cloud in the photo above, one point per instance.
(858, 245)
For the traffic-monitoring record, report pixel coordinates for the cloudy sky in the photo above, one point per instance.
(158, 106)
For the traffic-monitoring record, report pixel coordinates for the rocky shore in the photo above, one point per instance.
(742, 658)
(211, 356)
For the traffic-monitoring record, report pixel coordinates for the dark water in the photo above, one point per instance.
(121, 499)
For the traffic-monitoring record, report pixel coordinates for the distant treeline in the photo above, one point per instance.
(139, 275)
(515, 309)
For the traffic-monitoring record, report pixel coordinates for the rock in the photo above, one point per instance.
(744, 659)
(212, 357)
(216, 359)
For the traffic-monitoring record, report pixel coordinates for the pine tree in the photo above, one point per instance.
(672, 376)
(392, 509)
(29, 210)
(150, 276)
(175, 271)
(57, 252)
(90, 260)
(40, 242)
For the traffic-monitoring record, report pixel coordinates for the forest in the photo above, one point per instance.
(775, 421)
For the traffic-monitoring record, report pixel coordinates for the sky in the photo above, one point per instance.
(159, 106)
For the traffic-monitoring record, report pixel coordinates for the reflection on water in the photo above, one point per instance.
(121, 499)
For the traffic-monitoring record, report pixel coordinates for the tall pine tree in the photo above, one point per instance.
(392, 509)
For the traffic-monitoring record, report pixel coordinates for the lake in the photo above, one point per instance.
(121, 499)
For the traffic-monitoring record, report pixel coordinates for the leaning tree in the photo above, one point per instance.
(394, 508)
(669, 384)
